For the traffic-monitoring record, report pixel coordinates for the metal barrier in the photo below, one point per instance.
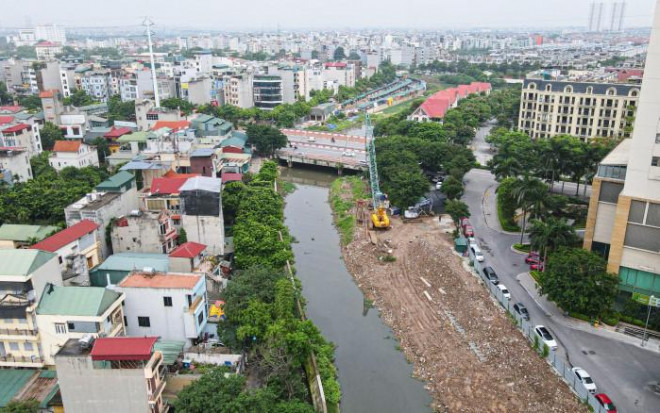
(561, 366)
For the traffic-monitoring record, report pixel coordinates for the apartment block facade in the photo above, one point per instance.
(623, 223)
(585, 110)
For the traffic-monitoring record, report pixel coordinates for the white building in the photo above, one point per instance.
(14, 162)
(71, 312)
(50, 33)
(47, 50)
(73, 153)
(22, 135)
(172, 306)
(238, 90)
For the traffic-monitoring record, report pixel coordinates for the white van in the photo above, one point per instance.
(477, 252)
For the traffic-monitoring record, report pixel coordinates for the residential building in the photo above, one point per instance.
(147, 115)
(117, 266)
(120, 182)
(201, 212)
(23, 276)
(65, 313)
(22, 135)
(198, 91)
(187, 257)
(73, 124)
(238, 90)
(14, 165)
(51, 102)
(50, 33)
(47, 50)
(206, 125)
(172, 306)
(342, 73)
(144, 232)
(102, 208)
(623, 223)
(73, 153)
(15, 236)
(78, 249)
(436, 106)
(204, 162)
(267, 91)
(586, 110)
(114, 374)
(99, 84)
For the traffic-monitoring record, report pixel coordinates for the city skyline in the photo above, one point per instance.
(342, 15)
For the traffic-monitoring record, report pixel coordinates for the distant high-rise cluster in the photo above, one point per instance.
(598, 17)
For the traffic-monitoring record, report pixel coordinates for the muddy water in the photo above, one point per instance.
(374, 375)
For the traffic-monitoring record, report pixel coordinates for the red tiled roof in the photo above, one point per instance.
(188, 250)
(11, 109)
(123, 348)
(172, 174)
(67, 146)
(6, 119)
(47, 44)
(335, 64)
(167, 185)
(16, 128)
(231, 177)
(66, 236)
(164, 281)
(437, 104)
(117, 132)
(175, 125)
(435, 108)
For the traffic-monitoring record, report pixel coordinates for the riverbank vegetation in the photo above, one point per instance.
(264, 317)
(344, 192)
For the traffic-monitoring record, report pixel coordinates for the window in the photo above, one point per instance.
(548, 88)
(71, 326)
(655, 161)
(637, 211)
(28, 346)
(13, 346)
(125, 321)
(200, 318)
(60, 328)
(609, 192)
(144, 322)
(167, 301)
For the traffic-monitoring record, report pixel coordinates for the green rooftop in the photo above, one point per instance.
(11, 383)
(116, 182)
(76, 301)
(133, 137)
(25, 233)
(23, 261)
(128, 261)
(170, 349)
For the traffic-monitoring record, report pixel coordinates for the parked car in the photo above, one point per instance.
(505, 291)
(472, 240)
(605, 401)
(489, 272)
(438, 185)
(477, 253)
(531, 259)
(546, 337)
(521, 310)
(349, 154)
(468, 231)
(538, 266)
(583, 377)
(464, 221)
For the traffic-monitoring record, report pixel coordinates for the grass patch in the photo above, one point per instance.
(535, 275)
(389, 258)
(522, 247)
(286, 187)
(342, 201)
(579, 316)
(506, 223)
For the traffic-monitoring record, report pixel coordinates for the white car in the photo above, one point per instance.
(545, 337)
(476, 251)
(505, 291)
(472, 241)
(349, 154)
(583, 377)
(438, 185)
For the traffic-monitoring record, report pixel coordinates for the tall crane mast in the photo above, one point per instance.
(379, 218)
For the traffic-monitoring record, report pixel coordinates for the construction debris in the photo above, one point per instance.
(461, 343)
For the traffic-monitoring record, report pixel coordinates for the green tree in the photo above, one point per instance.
(118, 110)
(49, 134)
(41, 166)
(30, 102)
(178, 103)
(102, 148)
(231, 198)
(457, 209)
(576, 280)
(524, 190)
(27, 406)
(183, 236)
(25, 52)
(5, 97)
(78, 98)
(266, 139)
(549, 235)
(406, 186)
(339, 53)
(452, 187)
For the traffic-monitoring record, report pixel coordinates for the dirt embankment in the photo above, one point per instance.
(461, 342)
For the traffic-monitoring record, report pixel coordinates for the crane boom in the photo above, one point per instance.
(376, 195)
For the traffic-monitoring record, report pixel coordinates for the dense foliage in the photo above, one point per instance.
(577, 281)
(266, 139)
(49, 134)
(118, 110)
(79, 98)
(42, 200)
(178, 103)
(28, 406)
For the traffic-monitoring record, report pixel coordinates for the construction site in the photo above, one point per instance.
(461, 342)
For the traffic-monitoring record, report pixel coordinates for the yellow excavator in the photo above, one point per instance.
(379, 218)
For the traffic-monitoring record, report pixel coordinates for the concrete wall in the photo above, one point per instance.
(206, 230)
(604, 223)
(86, 389)
(88, 156)
(141, 235)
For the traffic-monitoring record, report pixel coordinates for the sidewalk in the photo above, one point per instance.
(551, 310)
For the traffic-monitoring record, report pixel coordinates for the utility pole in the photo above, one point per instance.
(648, 316)
(148, 23)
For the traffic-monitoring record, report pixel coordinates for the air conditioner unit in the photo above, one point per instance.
(149, 270)
(86, 341)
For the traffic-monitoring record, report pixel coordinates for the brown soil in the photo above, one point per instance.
(461, 342)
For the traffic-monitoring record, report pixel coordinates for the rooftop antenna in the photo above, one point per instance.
(148, 23)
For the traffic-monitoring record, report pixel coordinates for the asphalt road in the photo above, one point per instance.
(625, 372)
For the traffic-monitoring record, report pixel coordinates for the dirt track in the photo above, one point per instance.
(461, 342)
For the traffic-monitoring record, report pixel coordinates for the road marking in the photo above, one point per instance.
(425, 282)
(428, 296)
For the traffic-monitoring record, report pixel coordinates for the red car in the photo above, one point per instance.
(537, 266)
(468, 231)
(605, 402)
(532, 259)
(464, 221)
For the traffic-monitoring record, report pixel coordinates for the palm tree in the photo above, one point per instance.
(525, 190)
(541, 202)
(503, 167)
(547, 236)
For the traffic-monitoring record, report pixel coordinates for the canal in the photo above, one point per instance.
(374, 375)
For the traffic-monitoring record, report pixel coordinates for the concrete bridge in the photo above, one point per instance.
(333, 150)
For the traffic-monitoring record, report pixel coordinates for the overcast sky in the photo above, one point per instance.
(339, 14)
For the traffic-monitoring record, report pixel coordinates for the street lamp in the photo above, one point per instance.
(648, 316)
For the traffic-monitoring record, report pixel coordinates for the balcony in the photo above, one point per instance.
(20, 361)
(17, 333)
